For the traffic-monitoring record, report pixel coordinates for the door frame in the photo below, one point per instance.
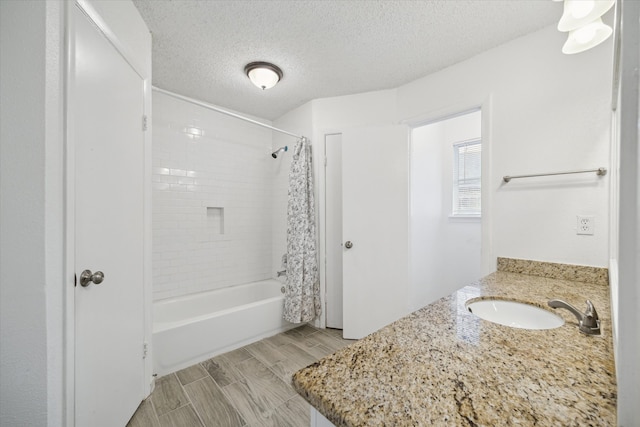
(320, 157)
(487, 254)
(325, 228)
(441, 149)
(127, 52)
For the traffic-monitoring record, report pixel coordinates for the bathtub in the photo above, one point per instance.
(193, 328)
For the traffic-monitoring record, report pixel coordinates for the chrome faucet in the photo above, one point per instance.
(588, 321)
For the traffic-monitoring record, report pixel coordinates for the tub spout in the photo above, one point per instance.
(588, 321)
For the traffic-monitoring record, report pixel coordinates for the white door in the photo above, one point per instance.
(106, 107)
(375, 188)
(333, 236)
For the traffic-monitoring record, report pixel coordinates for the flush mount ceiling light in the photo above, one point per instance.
(578, 13)
(586, 37)
(263, 74)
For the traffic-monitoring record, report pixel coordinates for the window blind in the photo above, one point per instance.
(467, 178)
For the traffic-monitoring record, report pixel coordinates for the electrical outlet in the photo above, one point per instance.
(585, 224)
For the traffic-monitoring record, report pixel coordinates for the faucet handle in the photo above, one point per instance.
(590, 324)
(591, 310)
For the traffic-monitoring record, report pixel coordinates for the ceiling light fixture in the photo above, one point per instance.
(263, 74)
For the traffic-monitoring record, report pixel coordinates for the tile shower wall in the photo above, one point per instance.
(212, 192)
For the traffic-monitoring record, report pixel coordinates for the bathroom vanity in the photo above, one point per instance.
(443, 365)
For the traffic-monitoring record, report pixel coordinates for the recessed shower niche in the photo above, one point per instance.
(214, 222)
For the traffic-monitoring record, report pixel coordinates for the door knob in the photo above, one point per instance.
(348, 244)
(87, 277)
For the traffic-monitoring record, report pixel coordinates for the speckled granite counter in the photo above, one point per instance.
(441, 365)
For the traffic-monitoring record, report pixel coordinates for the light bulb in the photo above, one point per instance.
(264, 78)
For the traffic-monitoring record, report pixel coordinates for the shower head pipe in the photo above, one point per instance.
(278, 151)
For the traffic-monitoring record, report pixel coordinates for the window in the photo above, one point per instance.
(466, 178)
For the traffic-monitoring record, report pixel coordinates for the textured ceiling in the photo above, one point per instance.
(325, 48)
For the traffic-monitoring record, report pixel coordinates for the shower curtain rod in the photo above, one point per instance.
(220, 110)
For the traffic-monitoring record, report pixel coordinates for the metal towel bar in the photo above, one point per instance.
(599, 172)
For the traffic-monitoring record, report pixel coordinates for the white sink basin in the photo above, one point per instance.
(514, 314)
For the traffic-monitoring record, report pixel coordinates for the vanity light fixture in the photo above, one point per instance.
(263, 74)
(582, 19)
(578, 13)
(586, 37)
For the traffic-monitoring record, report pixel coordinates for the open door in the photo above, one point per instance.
(375, 206)
(106, 98)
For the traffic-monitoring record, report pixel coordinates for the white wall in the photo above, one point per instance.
(24, 339)
(31, 208)
(549, 112)
(542, 111)
(229, 167)
(445, 251)
(33, 275)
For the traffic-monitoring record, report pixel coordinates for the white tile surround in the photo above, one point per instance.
(229, 167)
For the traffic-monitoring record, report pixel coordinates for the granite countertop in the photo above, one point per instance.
(442, 365)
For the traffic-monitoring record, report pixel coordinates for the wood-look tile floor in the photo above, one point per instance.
(250, 386)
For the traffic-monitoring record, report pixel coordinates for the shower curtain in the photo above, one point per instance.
(302, 296)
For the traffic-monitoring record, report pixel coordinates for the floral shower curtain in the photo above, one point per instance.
(302, 296)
